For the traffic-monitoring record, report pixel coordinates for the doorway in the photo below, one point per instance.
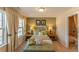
(73, 32)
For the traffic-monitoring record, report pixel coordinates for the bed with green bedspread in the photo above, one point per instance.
(47, 46)
(40, 48)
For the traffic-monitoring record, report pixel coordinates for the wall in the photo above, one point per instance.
(62, 26)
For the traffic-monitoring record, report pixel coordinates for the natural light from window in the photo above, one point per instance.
(20, 27)
(2, 28)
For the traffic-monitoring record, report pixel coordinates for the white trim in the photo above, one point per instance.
(67, 32)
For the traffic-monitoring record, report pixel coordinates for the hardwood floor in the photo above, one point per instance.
(20, 48)
(57, 46)
(60, 48)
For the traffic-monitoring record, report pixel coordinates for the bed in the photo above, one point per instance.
(39, 43)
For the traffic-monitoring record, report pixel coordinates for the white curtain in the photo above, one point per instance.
(12, 25)
(1, 8)
(10, 29)
(24, 26)
(16, 30)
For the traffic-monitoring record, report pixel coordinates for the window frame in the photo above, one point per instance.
(21, 27)
(3, 28)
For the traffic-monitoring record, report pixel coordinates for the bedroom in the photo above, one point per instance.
(34, 24)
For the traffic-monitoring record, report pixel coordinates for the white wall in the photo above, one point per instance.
(62, 30)
(62, 26)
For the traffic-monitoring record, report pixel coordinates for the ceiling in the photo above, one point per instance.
(49, 11)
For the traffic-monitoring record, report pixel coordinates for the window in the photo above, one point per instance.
(20, 27)
(2, 28)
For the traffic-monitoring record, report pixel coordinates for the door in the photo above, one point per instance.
(73, 32)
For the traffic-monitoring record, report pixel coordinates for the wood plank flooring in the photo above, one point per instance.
(57, 46)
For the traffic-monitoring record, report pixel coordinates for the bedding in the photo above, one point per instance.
(44, 45)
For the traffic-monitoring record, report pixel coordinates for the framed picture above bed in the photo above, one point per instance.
(41, 22)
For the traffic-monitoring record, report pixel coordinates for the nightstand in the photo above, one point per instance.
(53, 37)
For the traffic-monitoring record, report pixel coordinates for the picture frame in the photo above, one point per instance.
(43, 22)
(40, 22)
